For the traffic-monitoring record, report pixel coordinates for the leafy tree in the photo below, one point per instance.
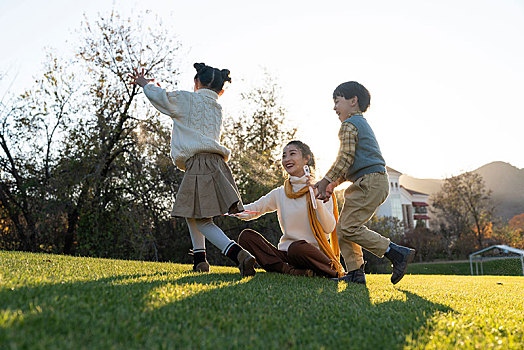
(512, 233)
(256, 139)
(104, 188)
(85, 160)
(30, 128)
(388, 226)
(517, 222)
(464, 207)
(119, 174)
(428, 244)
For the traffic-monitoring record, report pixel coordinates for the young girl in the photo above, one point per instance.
(303, 248)
(208, 188)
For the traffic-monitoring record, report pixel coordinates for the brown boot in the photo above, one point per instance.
(246, 263)
(201, 267)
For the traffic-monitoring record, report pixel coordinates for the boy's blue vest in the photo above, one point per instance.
(368, 158)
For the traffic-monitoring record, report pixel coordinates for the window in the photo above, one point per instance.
(420, 210)
(396, 206)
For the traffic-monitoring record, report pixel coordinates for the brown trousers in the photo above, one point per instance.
(299, 256)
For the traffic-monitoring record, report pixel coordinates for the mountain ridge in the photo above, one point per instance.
(504, 180)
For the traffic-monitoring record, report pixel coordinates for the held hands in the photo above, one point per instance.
(325, 188)
(331, 187)
(139, 78)
(321, 188)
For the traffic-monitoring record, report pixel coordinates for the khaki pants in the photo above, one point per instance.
(300, 256)
(361, 200)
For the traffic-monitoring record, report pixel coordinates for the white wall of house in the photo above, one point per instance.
(399, 203)
(392, 206)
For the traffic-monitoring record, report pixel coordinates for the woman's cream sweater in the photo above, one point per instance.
(292, 214)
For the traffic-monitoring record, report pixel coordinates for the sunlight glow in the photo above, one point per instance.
(174, 292)
(342, 286)
(430, 67)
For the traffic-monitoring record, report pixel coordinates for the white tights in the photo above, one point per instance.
(200, 229)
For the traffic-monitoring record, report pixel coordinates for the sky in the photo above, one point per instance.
(446, 77)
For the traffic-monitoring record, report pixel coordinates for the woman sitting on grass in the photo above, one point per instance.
(304, 249)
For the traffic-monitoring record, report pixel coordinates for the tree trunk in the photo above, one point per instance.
(69, 238)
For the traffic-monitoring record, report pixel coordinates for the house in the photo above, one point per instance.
(410, 207)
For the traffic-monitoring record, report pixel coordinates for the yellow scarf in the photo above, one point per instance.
(331, 250)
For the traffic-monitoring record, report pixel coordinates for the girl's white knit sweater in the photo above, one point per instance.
(292, 214)
(197, 121)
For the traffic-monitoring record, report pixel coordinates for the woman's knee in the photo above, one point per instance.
(246, 236)
(297, 248)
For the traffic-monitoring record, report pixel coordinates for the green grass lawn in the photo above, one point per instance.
(52, 302)
(509, 267)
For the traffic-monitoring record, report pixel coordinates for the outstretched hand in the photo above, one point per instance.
(139, 78)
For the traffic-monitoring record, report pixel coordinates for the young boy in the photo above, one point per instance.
(360, 161)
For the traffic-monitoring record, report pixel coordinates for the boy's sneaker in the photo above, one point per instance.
(201, 267)
(246, 263)
(355, 276)
(400, 258)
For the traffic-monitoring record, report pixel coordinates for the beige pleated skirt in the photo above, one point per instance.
(207, 189)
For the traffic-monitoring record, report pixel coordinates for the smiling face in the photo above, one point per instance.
(293, 161)
(345, 107)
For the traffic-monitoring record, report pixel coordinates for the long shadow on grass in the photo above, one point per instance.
(210, 311)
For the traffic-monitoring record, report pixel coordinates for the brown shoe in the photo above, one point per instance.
(201, 267)
(246, 263)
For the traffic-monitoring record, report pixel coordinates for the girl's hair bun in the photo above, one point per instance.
(199, 66)
(225, 75)
(211, 78)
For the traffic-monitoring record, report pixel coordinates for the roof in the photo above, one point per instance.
(391, 170)
(505, 248)
(414, 192)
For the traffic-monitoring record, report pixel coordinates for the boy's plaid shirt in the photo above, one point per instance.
(348, 136)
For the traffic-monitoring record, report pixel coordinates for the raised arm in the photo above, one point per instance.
(263, 205)
(346, 155)
(169, 103)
